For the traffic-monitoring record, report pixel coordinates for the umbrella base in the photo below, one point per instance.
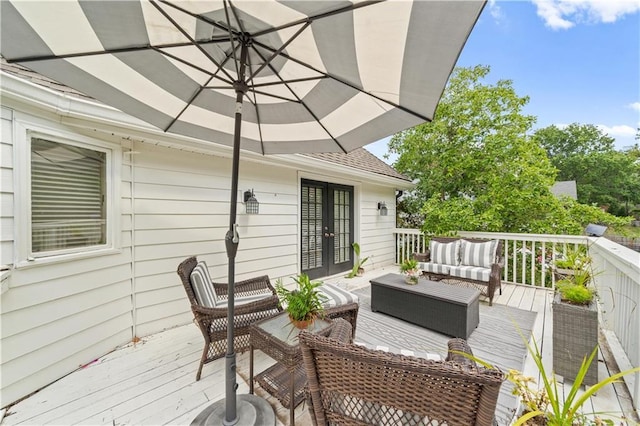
(251, 410)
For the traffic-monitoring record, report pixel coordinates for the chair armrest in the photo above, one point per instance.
(340, 330)
(422, 257)
(458, 348)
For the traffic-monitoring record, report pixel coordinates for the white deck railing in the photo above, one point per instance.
(528, 259)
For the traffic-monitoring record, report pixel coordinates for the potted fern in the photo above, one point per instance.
(304, 303)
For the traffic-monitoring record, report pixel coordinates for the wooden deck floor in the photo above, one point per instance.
(153, 381)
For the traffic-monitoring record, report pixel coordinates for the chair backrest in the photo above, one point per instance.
(184, 272)
(349, 384)
(499, 249)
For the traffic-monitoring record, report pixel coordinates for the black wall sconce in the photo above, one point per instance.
(251, 204)
(382, 208)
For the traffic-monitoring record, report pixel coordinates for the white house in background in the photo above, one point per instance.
(84, 271)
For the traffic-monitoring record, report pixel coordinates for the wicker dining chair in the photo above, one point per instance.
(255, 299)
(352, 385)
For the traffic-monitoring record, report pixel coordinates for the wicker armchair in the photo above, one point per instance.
(212, 322)
(352, 385)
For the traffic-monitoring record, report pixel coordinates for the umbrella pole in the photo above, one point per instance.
(244, 409)
(231, 242)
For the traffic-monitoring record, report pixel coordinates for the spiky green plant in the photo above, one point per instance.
(552, 408)
(357, 262)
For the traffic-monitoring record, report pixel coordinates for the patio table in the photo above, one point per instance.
(448, 309)
(278, 338)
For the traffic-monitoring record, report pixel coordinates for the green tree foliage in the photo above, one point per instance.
(475, 167)
(604, 176)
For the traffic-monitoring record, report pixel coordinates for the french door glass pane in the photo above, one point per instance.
(311, 227)
(341, 225)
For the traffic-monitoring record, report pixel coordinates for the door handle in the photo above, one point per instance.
(329, 234)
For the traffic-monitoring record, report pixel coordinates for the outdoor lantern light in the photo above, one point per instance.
(382, 208)
(251, 203)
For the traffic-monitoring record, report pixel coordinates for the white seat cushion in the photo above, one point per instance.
(336, 296)
(406, 352)
(445, 253)
(202, 287)
(435, 268)
(239, 301)
(471, 272)
(478, 254)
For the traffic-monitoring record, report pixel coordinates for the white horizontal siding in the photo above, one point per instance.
(376, 232)
(6, 187)
(181, 208)
(174, 204)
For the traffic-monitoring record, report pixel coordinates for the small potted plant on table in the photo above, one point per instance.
(410, 269)
(304, 303)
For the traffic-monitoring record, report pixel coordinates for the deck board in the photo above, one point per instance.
(153, 381)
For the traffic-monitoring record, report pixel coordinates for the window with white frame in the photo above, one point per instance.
(67, 193)
(68, 196)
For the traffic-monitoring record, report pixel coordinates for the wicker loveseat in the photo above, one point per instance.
(352, 385)
(472, 260)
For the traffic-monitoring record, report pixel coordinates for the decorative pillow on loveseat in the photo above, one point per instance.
(445, 253)
(478, 254)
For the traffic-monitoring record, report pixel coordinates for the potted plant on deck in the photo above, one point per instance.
(575, 319)
(357, 270)
(410, 269)
(304, 303)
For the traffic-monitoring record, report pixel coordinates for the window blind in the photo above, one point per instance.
(67, 196)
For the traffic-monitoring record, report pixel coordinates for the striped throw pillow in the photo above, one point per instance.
(478, 254)
(202, 287)
(445, 253)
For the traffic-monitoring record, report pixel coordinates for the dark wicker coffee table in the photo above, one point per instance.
(278, 338)
(448, 309)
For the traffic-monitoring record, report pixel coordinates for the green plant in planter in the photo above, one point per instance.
(357, 262)
(305, 302)
(573, 259)
(578, 294)
(576, 276)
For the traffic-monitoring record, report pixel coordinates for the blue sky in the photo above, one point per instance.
(577, 60)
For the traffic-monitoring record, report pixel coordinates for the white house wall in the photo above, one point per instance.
(6, 187)
(59, 316)
(376, 232)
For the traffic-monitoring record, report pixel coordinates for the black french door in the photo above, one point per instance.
(327, 228)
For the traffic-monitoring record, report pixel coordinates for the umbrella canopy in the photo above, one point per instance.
(322, 76)
(266, 76)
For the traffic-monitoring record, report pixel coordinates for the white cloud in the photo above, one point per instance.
(495, 10)
(564, 14)
(635, 105)
(617, 131)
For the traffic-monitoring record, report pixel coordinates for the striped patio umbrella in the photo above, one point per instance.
(266, 76)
